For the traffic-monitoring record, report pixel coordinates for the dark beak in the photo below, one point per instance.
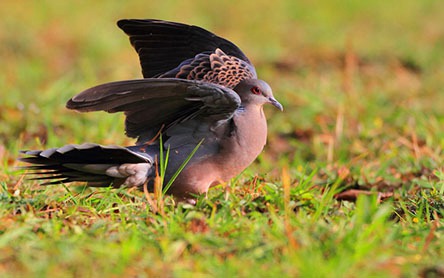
(276, 103)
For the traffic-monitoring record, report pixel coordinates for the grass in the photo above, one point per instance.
(361, 83)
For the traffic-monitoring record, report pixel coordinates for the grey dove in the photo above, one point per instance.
(199, 93)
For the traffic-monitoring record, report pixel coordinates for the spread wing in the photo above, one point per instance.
(169, 49)
(154, 103)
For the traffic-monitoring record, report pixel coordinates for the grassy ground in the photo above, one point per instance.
(362, 85)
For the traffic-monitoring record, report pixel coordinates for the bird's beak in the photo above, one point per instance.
(275, 103)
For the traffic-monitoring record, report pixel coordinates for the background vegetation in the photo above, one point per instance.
(350, 185)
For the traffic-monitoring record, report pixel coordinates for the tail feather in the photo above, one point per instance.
(42, 163)
(80, 163)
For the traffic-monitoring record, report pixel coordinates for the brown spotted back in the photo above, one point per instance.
(217, 67)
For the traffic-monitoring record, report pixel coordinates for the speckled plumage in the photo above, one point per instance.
(218, 68)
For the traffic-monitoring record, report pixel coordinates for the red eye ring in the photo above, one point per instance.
(255, 90)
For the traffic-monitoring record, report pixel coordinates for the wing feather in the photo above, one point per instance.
(152, 103)
(163, 45)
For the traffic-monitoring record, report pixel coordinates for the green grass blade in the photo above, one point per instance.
(182, 166)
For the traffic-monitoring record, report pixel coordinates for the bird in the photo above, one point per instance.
(200, 102)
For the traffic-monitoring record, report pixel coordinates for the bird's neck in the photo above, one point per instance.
(246, 142)
(251, 128)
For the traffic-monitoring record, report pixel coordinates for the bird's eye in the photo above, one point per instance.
(255, 90)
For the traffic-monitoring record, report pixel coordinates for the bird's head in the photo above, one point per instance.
(256, 91)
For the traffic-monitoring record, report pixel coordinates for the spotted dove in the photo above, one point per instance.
(200, 94)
